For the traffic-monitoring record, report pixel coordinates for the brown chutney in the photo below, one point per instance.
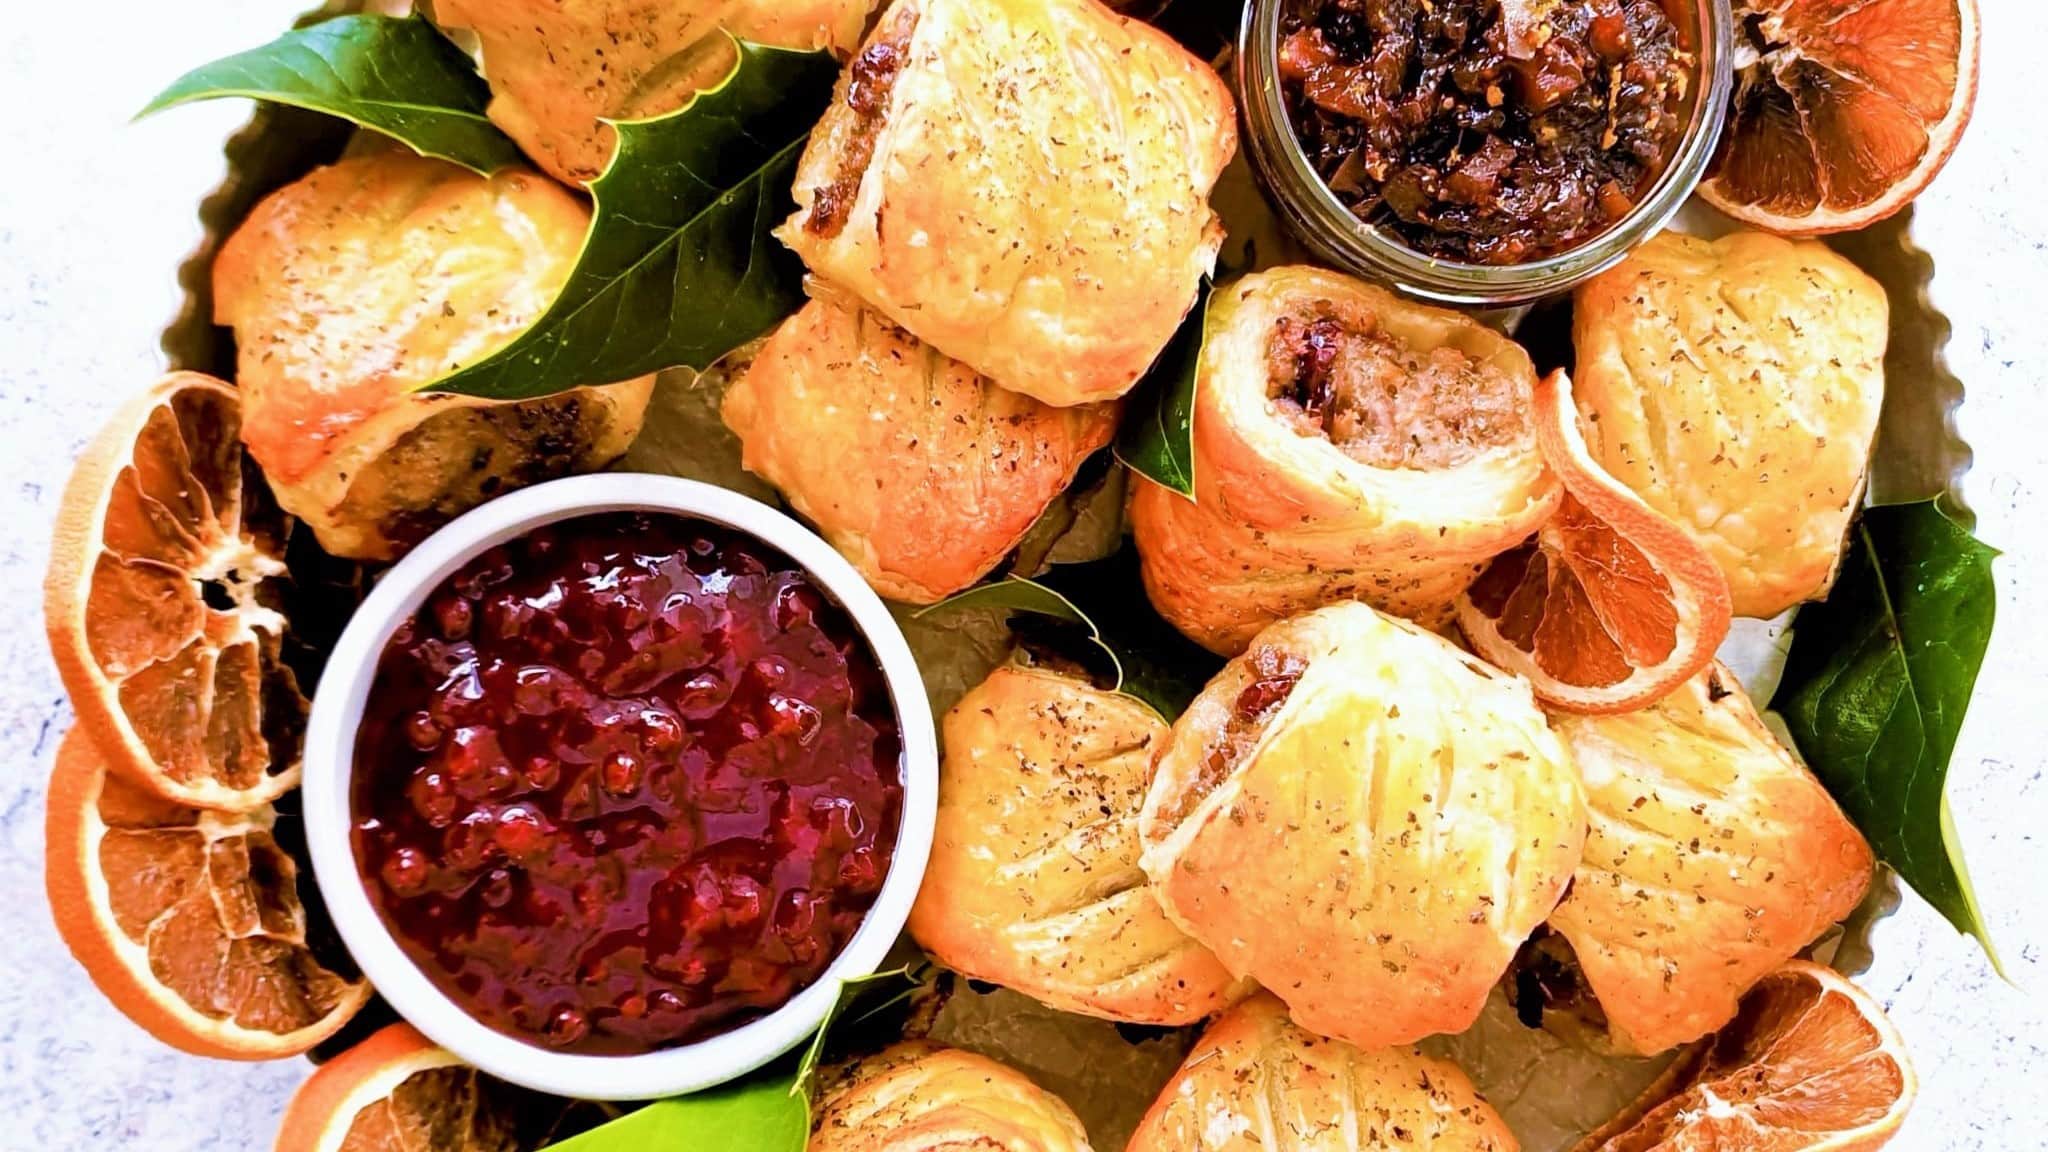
(1486, 131)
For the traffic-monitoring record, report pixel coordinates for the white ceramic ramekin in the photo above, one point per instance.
(330, 754)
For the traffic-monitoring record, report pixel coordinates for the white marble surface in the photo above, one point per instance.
(95, 214)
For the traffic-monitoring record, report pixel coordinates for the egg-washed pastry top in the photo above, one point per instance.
(1366, 821)
(1714, 857)
(915, 467)
(1348, 444)
(1022, 184)
(920, 1097)
(355, 285)
(558, 67)
(1735, 385)
(1256, 1082)
(1034, 881)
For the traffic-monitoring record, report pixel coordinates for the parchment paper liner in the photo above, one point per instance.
(1550, 1092)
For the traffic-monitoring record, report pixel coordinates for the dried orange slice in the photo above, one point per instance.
(395, 1092)
(1809, 1064)
(187, 919)
(1610, 606)
(162, 602)
(398, 1092)
(1843, 110)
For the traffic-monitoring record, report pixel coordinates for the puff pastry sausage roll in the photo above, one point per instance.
(1714, 857)
(1034, 880)
(1365, 820)
(919, 1097)
(1735, 385)
(362, 281)
(556, 67)
(1022, 184)
(1257, 1083)
(1347, 445)
(914, 466)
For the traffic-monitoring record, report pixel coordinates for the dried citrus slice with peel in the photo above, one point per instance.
(1611, 605)
(398, 1092)
(1843, 110)
(394, 1092)
(162, 602)
(187, 919)
(1809, 1064)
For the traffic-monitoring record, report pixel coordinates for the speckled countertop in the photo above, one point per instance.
(95, 215)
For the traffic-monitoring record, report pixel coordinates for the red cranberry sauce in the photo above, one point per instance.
(627, 782)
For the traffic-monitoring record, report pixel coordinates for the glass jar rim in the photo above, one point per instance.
(1330, 229)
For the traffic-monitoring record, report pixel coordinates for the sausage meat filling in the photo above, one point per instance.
(1274, 675)
(871, 78)
(1383, 402)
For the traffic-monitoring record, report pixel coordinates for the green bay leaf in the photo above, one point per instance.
(760, 1112)
(861, 999)
(1103, 603)
(1157, 440)
(392, 75)
(680, 266)
(1877, 682)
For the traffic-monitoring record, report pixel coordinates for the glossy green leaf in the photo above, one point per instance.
(1157, 439)
(1084, 522)
(396, 76)
(759, 1113)
(860, 999)
(1103, 602)
(680, 266)
(1877, 682)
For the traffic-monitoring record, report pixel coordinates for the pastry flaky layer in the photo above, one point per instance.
(918, 1097)
(1365, 820)
(1347, 445)
(1022, 184)
(558, 67)
(1714, 857)
(914, 466)
(1255, 1082)
(368, 279)
(1735, 385)
(1034, 880)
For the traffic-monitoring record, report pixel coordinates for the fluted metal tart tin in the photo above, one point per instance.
(1919, 454)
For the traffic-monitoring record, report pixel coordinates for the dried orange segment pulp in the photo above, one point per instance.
(1610, 605)
(187, 919)
(1810, 1063)
(1843, 110)
(161, 602)
(394, 1092)
(398, 1092)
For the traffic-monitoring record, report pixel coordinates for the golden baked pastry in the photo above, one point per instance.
(358, 283)
(917, 469)
(1023, 184)
(1257, 1083)
(1034, 881)
(1735, 385)
(1365, 820)
(557, 66)
(1714, 857)
(1347, 445)
(918, 1097)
